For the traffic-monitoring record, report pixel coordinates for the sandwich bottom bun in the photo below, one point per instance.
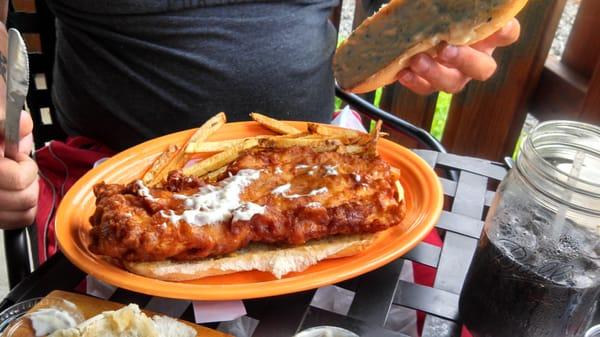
(278, 261)
(466, 32)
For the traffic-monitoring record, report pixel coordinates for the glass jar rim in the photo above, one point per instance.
(561, 160)
(550, 126)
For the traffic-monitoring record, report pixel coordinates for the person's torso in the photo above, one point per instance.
(133, 70)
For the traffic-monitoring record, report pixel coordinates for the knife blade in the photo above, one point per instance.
(17, 85)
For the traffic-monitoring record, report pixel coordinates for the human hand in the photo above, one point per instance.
(455, 66)
(18, 180)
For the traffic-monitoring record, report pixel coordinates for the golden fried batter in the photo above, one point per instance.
(279, 196)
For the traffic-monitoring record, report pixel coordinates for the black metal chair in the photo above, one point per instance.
(39, 26)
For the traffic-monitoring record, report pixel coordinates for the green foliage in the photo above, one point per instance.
(377, 99)
(372, 125)
(338, 103)
(522, 137)
(441, 115)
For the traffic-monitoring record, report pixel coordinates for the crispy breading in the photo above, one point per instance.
(301, 194)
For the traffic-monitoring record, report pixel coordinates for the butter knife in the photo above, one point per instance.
(17, 84)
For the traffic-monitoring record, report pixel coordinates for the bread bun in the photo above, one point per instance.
(384, 43)
(128, 321)
(278, 261)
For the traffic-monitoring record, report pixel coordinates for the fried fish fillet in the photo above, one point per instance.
(281, 196)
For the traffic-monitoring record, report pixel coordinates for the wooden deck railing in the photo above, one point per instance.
(570, 87)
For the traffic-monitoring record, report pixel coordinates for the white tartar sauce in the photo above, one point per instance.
(357, 177)
(46, 321)
(247, 210)
(313, 169)
(217, 204)
(144, 191)
(283, 189)
(331, 170)
(313, 204)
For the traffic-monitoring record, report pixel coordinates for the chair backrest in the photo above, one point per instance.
(36, 22)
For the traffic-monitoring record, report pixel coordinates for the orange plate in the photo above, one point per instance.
(423, 194)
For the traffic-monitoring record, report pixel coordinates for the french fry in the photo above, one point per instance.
(303, 135)
(369, 139)
(178, 160)
(333, 131)
(400, 190)
(376, 132)
(274, 125)
(319, 144)
(353, 149)
(159, 163)
(216, 146)
(222, 145)
(319, 137)
(208, 128)
(220, 159)
(212, 176)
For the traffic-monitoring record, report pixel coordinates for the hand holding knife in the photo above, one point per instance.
(17, 85)
(18, 172)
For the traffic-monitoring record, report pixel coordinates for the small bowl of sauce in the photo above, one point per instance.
(39, 317)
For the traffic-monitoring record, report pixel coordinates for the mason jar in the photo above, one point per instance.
(536, 270)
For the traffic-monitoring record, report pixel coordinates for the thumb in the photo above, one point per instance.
(25, 133)
(26, 144)
(25, 125)
(17, 174)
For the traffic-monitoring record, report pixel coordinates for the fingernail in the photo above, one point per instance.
(422, 65)
(449, 52)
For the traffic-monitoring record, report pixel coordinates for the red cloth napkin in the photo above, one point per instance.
(60, 165)
(425, 275)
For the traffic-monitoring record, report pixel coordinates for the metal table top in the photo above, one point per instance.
(376, 293)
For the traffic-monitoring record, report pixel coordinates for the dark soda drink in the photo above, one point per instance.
(525, 281)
